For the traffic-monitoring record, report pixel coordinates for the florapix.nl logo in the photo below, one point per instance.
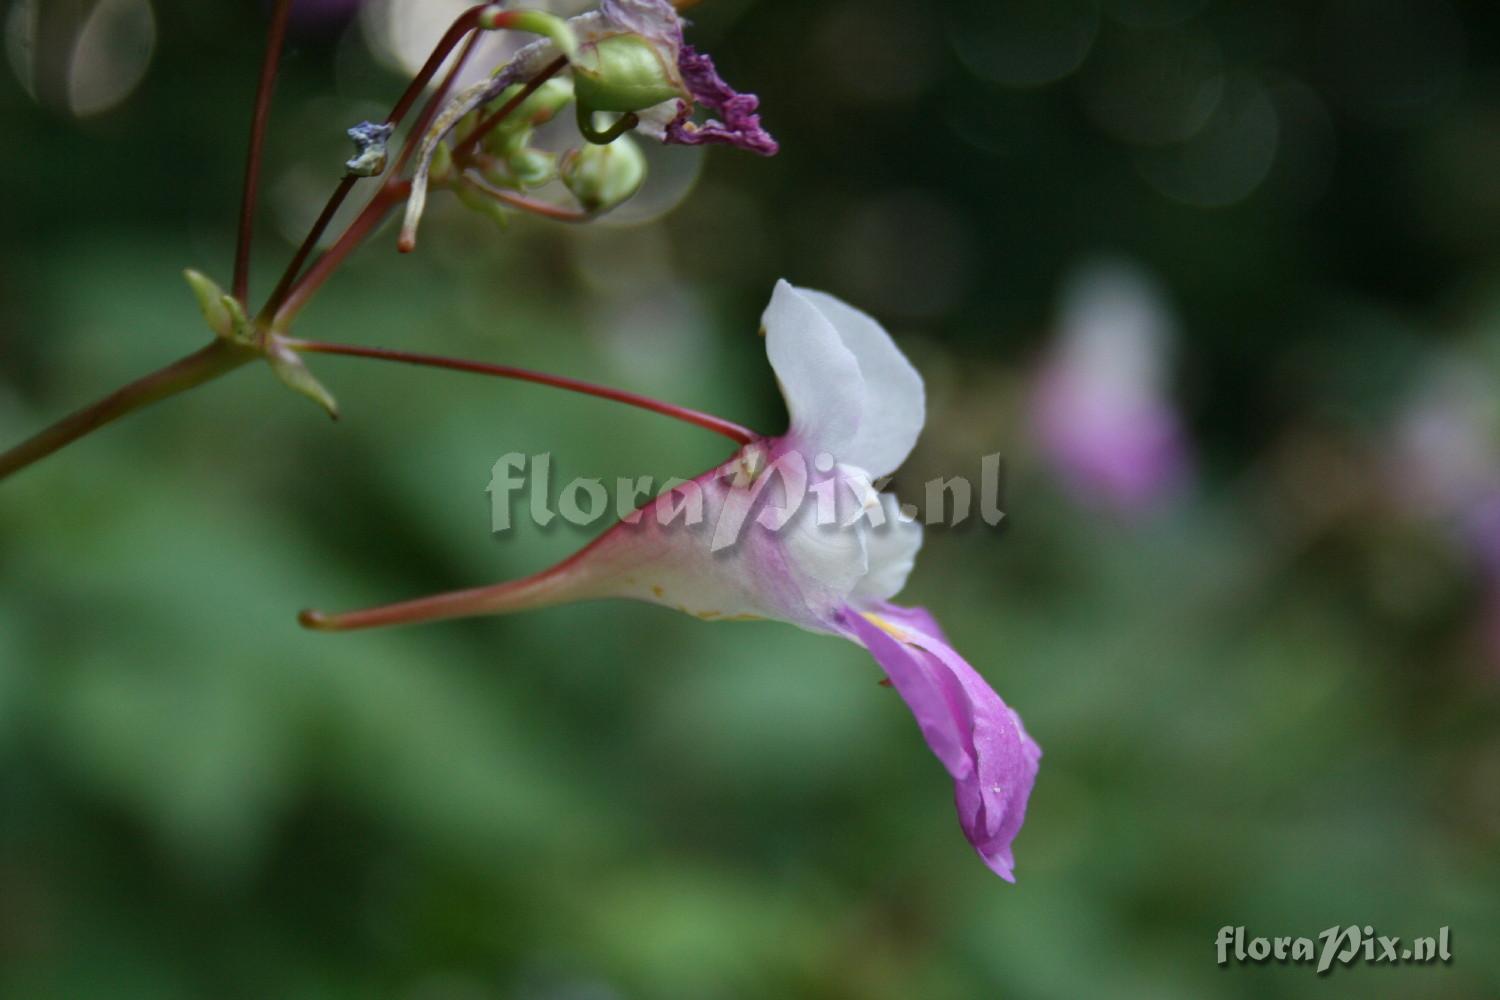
(1337, 945)
(752, 488)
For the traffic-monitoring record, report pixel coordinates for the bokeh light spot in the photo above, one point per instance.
(103, 58)
(20, 43)
(402, 33)
(1024, 44)
(1153, 87)
(1227, 159)
(112, 55)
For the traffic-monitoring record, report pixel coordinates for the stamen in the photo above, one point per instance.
(416, 202)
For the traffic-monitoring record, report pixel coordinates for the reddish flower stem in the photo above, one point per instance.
(525, 203)
(431, 109)
(275, 39)
(718, 425)
(394, 192)
(390, 195)
(335, 202)
(464, 25)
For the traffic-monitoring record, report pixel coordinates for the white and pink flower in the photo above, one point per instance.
(856, 406)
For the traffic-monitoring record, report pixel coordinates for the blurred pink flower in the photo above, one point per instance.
(1444, 457)
(1445, 469)
(1100, 408)
(1482, 529)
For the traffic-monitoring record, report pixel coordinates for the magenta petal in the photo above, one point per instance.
(913, 677)
(978, 738)
(1124, 452)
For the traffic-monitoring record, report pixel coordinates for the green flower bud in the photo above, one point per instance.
(226, 317)
(288, 366)
(211, 300)
(626, 72)
(539, 106)
(514, 132)
(521, 170)
(223, 312)
(533, 167)
(603, 177)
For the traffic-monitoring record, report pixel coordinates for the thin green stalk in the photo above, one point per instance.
(218, 358)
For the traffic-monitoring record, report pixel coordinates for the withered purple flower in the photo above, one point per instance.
(655, 33)
(626, 58)
(738, 123)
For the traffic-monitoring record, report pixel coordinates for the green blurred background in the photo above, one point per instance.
(1265, 681)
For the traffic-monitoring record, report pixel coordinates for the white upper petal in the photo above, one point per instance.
(890, 552)
(895, 403)
(820, 378)
(850, 390)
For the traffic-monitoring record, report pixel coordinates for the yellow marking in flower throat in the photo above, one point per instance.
(719, 616)
(892, 630)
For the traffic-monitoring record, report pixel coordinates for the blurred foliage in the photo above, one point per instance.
(1266, 704)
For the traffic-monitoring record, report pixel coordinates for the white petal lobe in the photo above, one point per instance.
(894, 406)
(820, 378)
(890, 552)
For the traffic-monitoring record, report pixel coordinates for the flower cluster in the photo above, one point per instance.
(632, 59)
(628, 58)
